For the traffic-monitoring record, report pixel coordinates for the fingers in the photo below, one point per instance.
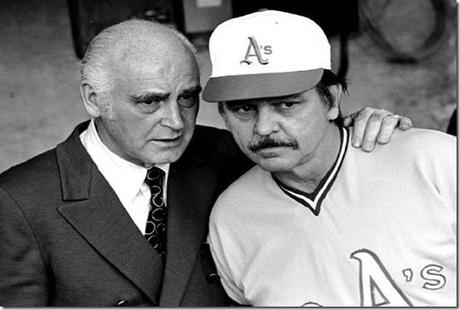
(360, 120)
(388, 126)
(373, 130)
(405, 123)
(372, 125)
(348, 120)
(390, 123)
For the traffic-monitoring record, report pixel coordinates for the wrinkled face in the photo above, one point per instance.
(149, 115)
(280, 134)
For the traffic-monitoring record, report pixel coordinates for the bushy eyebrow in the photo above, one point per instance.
(157, 96)
(192, 90)
(149, 96)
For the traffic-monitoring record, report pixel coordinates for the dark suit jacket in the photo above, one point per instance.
(66, 240)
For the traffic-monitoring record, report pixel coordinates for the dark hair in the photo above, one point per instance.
(329, 79)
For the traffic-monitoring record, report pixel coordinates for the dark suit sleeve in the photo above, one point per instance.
(232, 162)
(23, 280)
(237, 158)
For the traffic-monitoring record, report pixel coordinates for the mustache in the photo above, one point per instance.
(268, 142)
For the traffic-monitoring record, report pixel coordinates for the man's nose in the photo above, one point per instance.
(266, 122)
(172, 117)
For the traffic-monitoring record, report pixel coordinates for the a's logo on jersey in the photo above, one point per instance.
(432, 274)
(376, 286)
(254, 50)
(408, 274)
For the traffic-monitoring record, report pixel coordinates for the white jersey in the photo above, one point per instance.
(379, 231)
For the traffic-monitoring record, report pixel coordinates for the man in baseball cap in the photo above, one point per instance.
(318, 222)
(269, 54)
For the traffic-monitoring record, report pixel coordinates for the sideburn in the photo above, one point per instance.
(328, 100)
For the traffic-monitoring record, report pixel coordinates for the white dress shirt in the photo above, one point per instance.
(125, 178)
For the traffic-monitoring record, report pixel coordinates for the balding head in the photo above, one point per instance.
(129, 42)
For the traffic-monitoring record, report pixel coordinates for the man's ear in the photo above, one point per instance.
(224, 116)
(334, 110)
(221, 110)
(91, 99)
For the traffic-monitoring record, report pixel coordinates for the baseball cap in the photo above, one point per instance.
(266, 54)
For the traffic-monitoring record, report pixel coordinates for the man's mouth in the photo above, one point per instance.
(172, 140)
(269, 152)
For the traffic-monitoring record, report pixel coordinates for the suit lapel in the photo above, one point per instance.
(190, 191)
(93, 209)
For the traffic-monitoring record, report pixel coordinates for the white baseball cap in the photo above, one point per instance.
(266, 54)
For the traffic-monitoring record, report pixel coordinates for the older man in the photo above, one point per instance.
(117, 214)
(317, 222)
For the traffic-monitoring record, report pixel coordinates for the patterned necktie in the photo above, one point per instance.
(155, 230)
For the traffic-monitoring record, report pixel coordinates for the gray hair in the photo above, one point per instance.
(94, 68)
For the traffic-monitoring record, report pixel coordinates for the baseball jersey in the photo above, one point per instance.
(380, 230)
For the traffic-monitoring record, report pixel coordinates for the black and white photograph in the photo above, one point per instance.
(220, 153)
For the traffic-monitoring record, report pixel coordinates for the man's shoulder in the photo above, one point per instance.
(422, 143)
(38, 172)
(248, 181)
(414, 142)
(248, 187)
(419, 149)
(34, 184)
(424, 136)
(38, 169)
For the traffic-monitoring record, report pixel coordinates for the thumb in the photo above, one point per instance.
(348, 120)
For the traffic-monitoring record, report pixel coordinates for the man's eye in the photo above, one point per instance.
(188, 100)
(151, 102)
(286, 105)
(244, 109)
(150, 105)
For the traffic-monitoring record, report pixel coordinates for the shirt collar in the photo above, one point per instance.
(314, 200)
(123, 176)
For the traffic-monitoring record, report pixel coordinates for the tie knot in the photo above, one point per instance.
(154, 176)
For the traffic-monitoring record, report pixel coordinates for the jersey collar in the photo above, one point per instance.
(313, 200)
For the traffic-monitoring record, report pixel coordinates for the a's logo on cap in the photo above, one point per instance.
(257, 52)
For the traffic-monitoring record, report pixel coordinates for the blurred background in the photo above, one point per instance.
(400, 55)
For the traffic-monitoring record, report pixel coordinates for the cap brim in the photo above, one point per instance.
(251, 86)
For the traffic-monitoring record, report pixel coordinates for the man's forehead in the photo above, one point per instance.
(157, 87)
(149, 71)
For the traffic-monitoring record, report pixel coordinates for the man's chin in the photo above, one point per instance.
(159, 154)
(272, 164)
(161, 157)
(169, 158)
